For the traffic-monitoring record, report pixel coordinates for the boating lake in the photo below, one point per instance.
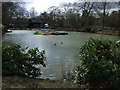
(62, 51)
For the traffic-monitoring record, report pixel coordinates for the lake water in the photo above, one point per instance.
(62, 57)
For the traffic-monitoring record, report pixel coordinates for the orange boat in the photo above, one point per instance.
(45, 33)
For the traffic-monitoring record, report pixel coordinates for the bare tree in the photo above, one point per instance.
(86, 10)
(104, 14)
(32, 12)
(12, 11)
(102, 11)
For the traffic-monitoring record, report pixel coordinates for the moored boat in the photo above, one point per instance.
(62, 33)
(9, 30)
(50, 33)
(46, 34)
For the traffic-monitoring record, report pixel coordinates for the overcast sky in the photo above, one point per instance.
(43, 5)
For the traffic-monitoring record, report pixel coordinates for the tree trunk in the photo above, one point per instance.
(104, 13)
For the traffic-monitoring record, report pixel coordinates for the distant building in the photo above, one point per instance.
(28, 23)
(36, 23)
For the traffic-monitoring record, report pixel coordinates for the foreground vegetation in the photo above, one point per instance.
(100, 63)
(99, 68)
(21, 61)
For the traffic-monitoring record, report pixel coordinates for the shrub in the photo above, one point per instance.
(100, 63)
(21, 61)
(1, 27)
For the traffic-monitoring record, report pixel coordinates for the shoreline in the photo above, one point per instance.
(28, 82)
(116, 33)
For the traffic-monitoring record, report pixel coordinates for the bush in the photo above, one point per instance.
(1, 27)
(21, 61)
(100, 63)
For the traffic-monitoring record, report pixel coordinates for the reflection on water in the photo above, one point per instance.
(60, 56)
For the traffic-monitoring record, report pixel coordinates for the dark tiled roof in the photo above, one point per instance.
(36, 21)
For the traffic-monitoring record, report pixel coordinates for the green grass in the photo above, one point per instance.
(26, 82)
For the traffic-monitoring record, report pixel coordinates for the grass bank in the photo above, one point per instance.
(26, 82)
(109, 33)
